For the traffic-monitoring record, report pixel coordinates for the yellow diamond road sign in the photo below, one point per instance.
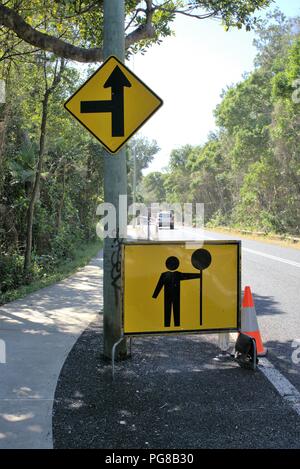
(113, 104)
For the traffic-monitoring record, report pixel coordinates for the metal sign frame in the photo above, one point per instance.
(193, 243)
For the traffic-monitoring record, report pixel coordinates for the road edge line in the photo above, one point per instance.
(283, 386)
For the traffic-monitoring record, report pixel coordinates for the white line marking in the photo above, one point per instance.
(269, 256)
(286, 389)
(258, 253)
(274, 258)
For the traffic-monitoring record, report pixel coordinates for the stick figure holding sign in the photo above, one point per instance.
(170, 281)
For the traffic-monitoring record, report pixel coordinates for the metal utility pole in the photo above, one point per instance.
(115, 184)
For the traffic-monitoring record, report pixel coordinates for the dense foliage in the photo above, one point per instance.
(51, 171)
(73, 29)
(248, 172)
(71, 175)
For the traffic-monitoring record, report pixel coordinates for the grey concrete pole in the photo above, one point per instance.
(115, 184)
(134, 173)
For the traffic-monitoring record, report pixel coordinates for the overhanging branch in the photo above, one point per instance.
(13, 21)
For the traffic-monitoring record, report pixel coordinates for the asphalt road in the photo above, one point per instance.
(273, 273)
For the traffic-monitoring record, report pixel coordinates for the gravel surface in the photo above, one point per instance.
(172, 393)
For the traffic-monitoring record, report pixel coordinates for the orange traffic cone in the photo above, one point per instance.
(249, 324)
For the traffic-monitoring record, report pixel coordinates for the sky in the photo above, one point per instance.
(188, 72)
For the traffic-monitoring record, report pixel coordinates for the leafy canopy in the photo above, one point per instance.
(73, 29)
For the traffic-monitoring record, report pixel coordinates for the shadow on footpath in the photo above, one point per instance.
(57, 308)
(173, 393)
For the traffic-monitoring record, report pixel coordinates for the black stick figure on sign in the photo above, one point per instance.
(170, 281)
(201, 259)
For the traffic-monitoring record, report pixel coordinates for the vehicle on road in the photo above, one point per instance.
(165, 219)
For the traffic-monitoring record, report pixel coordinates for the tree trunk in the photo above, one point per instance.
(2, 135)
(36, 186)
(3, 126)
(62, 200)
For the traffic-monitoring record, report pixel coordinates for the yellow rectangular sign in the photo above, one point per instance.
(181, 287)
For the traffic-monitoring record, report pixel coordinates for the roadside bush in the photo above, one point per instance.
(65, 244)
(11, 271)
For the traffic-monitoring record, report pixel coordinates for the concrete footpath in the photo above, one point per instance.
(38, 332)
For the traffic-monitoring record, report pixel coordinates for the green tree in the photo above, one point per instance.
(49, 88)
(177, 181)
(152, 188)
(73, 30)
(210, 179)
(248, 173)
(140, 153)
(70, 178)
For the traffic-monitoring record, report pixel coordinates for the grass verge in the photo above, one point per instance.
(267, 238)
(65, 269)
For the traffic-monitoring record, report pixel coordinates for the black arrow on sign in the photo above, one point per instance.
(117, 81)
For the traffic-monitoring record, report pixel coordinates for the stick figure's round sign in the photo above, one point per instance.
(171, 288)
(201, 259)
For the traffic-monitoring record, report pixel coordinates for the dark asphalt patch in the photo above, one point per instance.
(171, 394)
